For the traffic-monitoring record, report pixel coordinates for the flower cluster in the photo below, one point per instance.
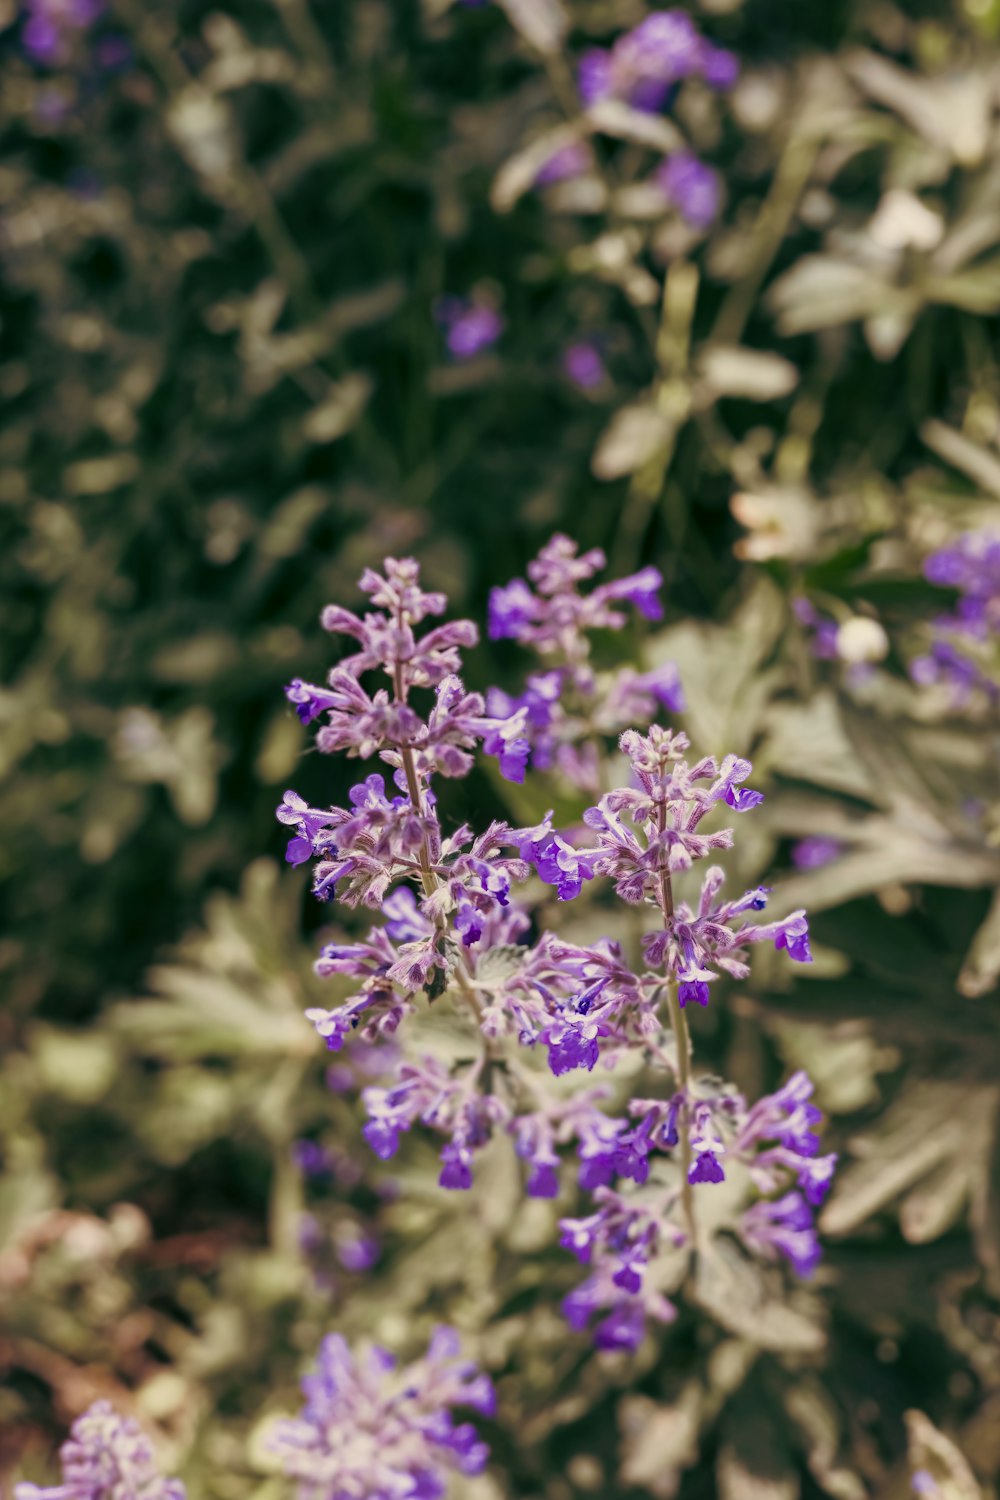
(643, 70)
(645, 64)
(370, 1430)
(454, 931)
(567, 709)
(106, 1457)
(964, 652)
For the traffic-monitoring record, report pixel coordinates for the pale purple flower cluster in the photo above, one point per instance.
(50, 27)
(470, 327)
(106, 1457)
(773, 1144)
(451, 925)
(645, 64)
(568, 710)
(371, 1430)
(965, 648)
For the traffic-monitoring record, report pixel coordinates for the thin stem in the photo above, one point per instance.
(682, 1041)
(682, 1038)
(428, 877)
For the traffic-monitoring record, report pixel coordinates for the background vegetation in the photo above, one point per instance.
(224, 230)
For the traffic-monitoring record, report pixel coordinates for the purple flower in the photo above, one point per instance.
(693, 992)
(963, 645)
(106, 1457)
(594, 76)
(814, 852)
(706, 1168)
(556, 862)
(783, 1228)
(733, 771)
(312, 1159)
(511, 609)
(692, 187)
(575, 1047)
(456, 1169)
(583, 365)
(470, 327)
(824, 630)
(369, 1428)
(793, 935)
(359, 1253)
(309, 701)
(719, 68)
(645, 64)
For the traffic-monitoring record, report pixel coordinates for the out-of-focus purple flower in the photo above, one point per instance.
(963, 646)
(719, 68)
(824, 629)
(594, 75)
(369, 1428)
(645, 64)
(106, 1457)
(312, 1159)
(692, 187)
(571, 160)
(583, 365)
(358, 1252)
(814, 852)
(783, 1228)
(50, 26)
(469, 327)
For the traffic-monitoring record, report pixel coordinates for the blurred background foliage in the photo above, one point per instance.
(223, 233)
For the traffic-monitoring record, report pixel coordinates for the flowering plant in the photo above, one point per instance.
(453, 932)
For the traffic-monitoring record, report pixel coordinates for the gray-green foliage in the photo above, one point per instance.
(224, 394)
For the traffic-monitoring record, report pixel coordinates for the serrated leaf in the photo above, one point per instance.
(932, 1122)
(500, 963)
(737, 1292)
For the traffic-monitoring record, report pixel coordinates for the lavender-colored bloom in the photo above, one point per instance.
(50, 26)
(719, 68)
(814, 852)
(583, 365)
(594, 76)
(823, 629)
(358, 1253)
(312, 1159)
(963, 646)
(371, 1429)
(783, 1228)
(645, 64)
(692, 187)
(106, 1457)
(470, 327)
